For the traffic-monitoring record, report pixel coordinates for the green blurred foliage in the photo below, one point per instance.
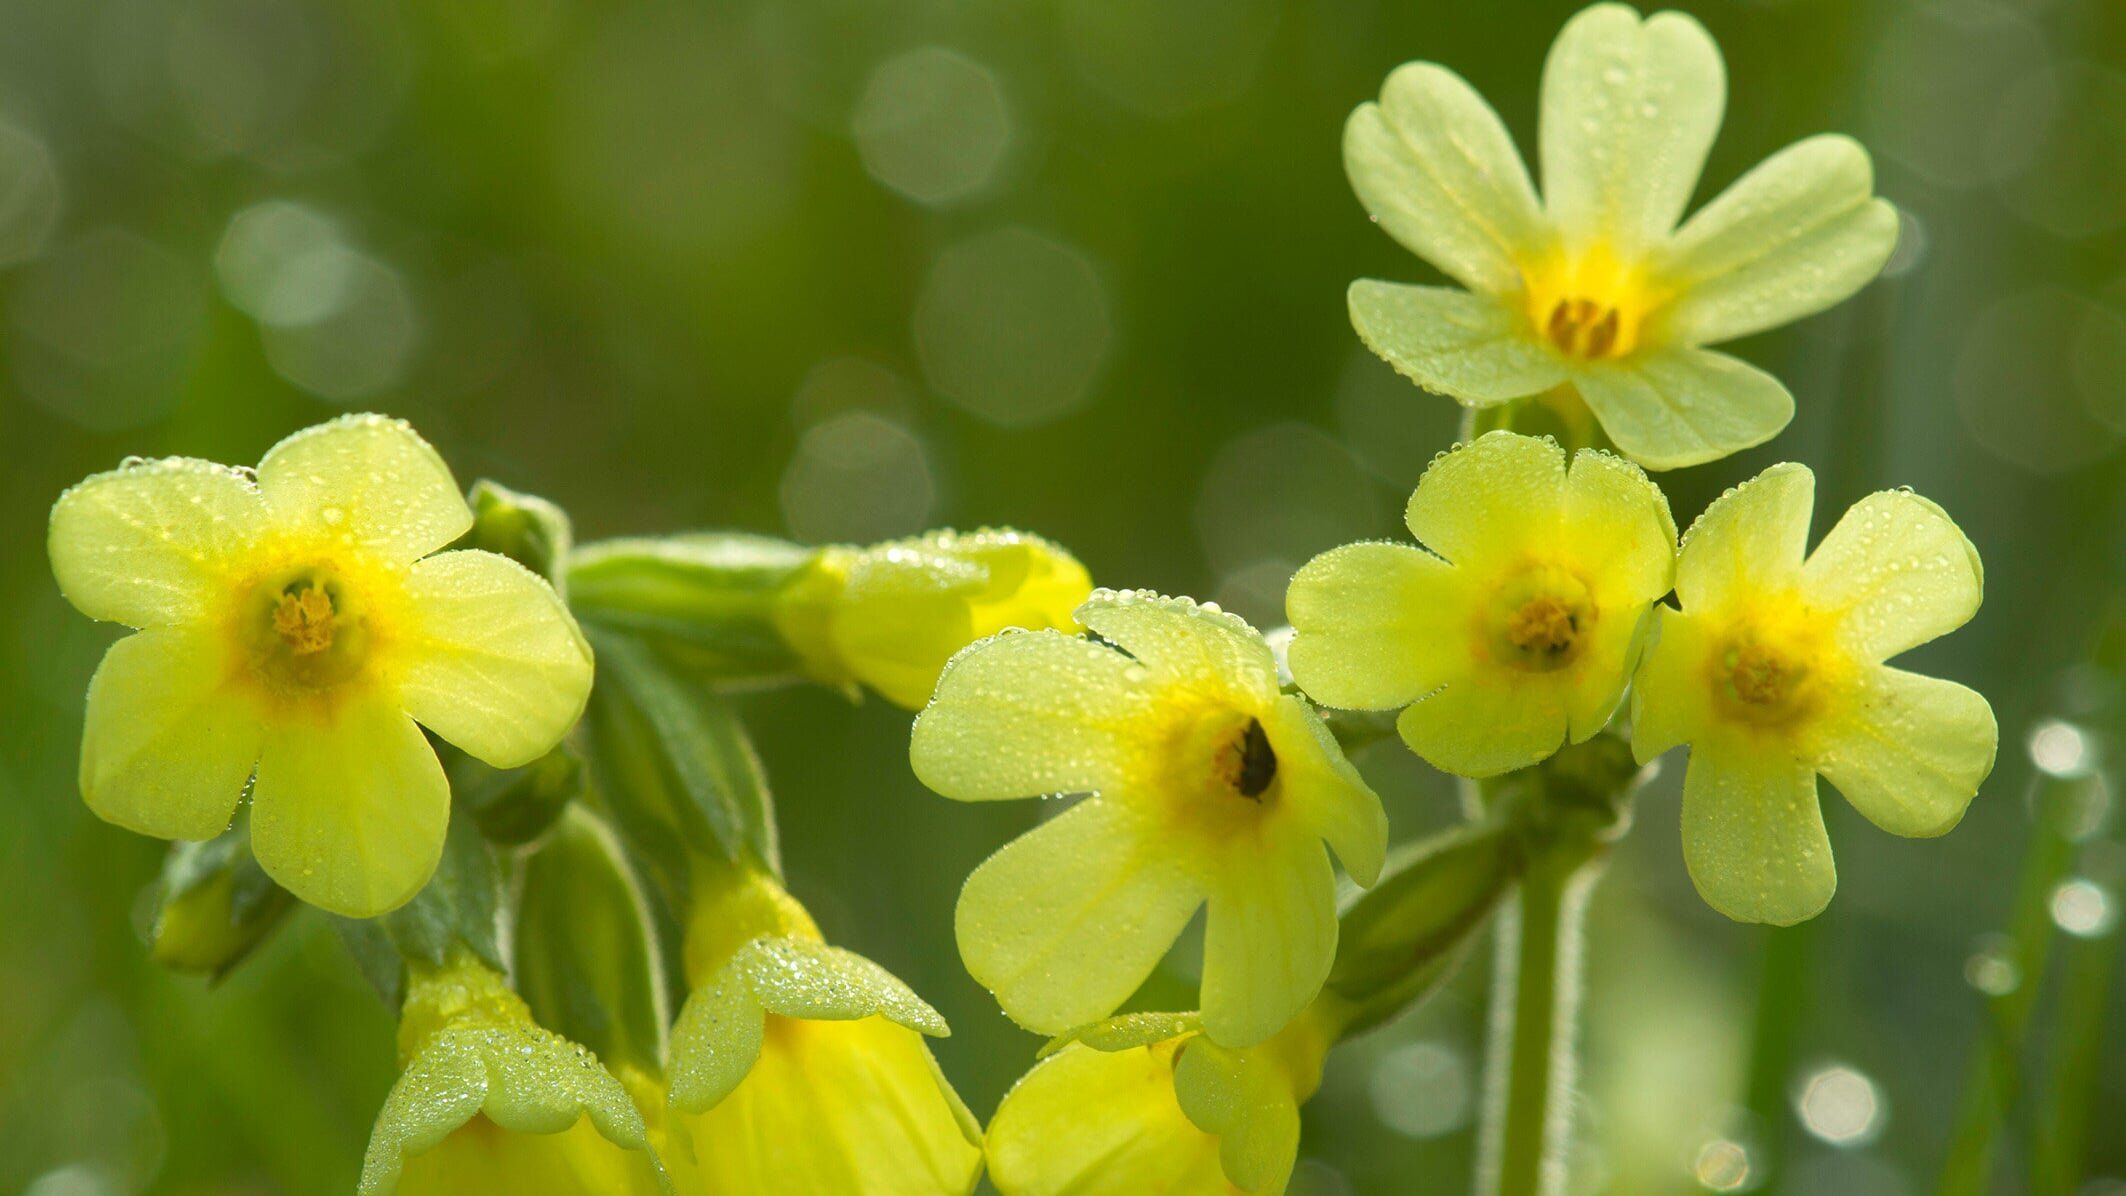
(848, 269)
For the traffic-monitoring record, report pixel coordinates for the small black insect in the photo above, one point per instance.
(1258, 764)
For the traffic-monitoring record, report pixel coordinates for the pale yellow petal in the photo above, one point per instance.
(1671, 693)
(483, 1157)
(1325, 792)
(1435, 167)
(349, 814)
(1066, 706)
(1753, 834)
(153, 544)
(1373, 623)
(1269, 935)
(854, 1108)
(493, 663)
(368, 482)
(1488, 498)
(1064, 922)
(1899, 572)
(1629, 109)
(1794, 236)
(1248, 1102)
(1749, 542)
(1475, 349)
(1184, 643)
(1671, 407)
(1085, 1122)
(1487, 721)
(1910, 752)
(1619, 521)
(168, 742)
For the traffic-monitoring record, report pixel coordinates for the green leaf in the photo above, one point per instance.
(1401, 939)
(586, 954)
(673, 764)
(513, 806)
(705, 601)
(523, 527)
(462, 903)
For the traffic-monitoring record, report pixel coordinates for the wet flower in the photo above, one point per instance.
(1207, 784)
(488, 1101)
(1523, 636)
(1593, 293)
(296, 633)
(1772, 672)
(799, 1067)
(890, 616)
(1147, 1103)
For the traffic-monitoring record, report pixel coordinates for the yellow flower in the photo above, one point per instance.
(1145, 1103)
(1773, 673)
(891, 615)
(487, 1101)
(293, 622)
(1594, 286)
(1207, 783)
(798, 1068)
(1523, 636)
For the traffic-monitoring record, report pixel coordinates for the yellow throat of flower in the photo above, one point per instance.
(1773, 667)
(307, 628)
(1224, 760)
(1538, 619)
(1589, 306)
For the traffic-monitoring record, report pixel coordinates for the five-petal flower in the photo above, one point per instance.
(295, 632)
(1594, 286)
(1205, 782)
(1772, 672)
(1523, 636)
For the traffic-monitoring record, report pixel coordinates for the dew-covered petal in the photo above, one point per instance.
(850, 1107)
(493, 662)
(1668, 408)
(1899, 570)
(1489, 498)
(1373, 621)
(1475, 349)
(1325, 792)
(715, 1041)
(367, 481)
(1030, 713)
(1435, 167)
(1064, 922)
(1484, 722)
(1753, 833)
(1268, 936)
(348, 813)
(1794, 236)
(1185, 643)
(799, 977)
(1629, 109)
(1249, 1104)
(1620, 522)
(1750, 541)
(1670, 696)
(1085, 1122)
(1910, 751)
(168, 742)
(155, 543)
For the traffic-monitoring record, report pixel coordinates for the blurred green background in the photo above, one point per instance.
(843, 270)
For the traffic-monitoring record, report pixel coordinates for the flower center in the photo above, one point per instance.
(1581, 327)
(1540, 619)
(303, 617)
(1766, 680)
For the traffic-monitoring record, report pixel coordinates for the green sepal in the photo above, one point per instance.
(586, 955)
(705, 601)
(1399, 941)
(523, 527)
(1126, 1031)
(673, 765)
(213, 904)
(718, 1035)
(513, 806)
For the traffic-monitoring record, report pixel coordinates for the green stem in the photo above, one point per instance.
(1535, 1006)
